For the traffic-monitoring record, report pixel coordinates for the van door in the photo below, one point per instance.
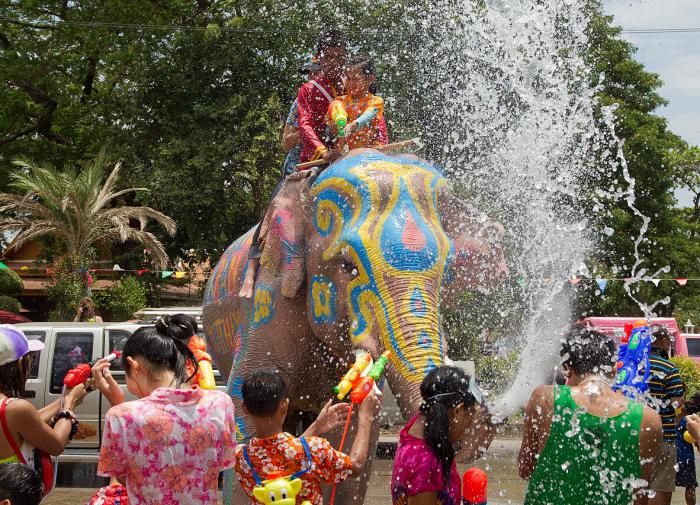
(114, 339)
(36, 384)
(72, 346)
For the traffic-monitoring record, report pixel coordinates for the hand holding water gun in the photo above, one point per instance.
(205, 372)
(634, 349)
(367, 383)
(103, 380)
(79, 374)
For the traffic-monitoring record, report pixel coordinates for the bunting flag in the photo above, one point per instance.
(50, 271)
(574, 281)
(602, 284)
(180, 275)
(655, 282)
(141, 272)
(166, 273)
(682, 282)
(117, 267)
(3, 266)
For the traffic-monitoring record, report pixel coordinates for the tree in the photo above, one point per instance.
(78, 209)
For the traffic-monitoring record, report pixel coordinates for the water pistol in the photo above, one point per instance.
(81, 373)
(366, 118)
(634, 349)
(339, 116)
(366, 383)
(474, 487)
(205, 371)
(353, 376)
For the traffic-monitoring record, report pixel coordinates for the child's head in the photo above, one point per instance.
(19, 485)
(449, 397)
(586, 351)
(265, 395)
(332, 53)
(361, 77)
(16, 357)
(153, 351)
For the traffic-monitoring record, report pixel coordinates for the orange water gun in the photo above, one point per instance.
(205, 371)
(339, 116)
(353, 376)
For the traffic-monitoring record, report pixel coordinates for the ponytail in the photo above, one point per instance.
(442, 389)
(164, 346)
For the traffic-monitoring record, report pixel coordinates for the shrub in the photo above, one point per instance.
(690, 373)
(123, 299)
(10, 283)
(68, 285)
(9, 304)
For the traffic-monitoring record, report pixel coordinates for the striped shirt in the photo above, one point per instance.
(664, 384)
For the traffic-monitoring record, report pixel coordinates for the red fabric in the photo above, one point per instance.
(12, 318)
(312, 108)
(6, 432)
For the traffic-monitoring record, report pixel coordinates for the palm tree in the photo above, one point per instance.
(78, 209)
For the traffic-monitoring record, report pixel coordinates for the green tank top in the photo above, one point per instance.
(587, 459)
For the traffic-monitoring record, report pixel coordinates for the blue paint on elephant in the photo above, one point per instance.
(322, 293)
(418, 303)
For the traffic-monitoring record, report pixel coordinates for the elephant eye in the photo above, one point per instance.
(348, 266)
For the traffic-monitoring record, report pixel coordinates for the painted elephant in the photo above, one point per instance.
(356, 258)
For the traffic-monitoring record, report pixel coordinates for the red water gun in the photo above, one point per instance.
(80, 373)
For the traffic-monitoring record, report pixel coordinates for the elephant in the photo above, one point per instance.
(357, 257)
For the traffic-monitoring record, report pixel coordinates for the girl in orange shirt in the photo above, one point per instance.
(358, 116)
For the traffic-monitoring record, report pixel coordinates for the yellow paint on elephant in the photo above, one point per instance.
(400, 251)
(262, 305)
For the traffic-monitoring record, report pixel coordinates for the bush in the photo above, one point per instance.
(123, 299)
(9, 304)
(690, 373)
(68, 285)
(10, 283)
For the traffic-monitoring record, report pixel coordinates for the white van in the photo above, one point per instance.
(66, 345)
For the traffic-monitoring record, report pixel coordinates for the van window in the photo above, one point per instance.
(38, 335)
(70, 349)
(693, 346)
(117, 339)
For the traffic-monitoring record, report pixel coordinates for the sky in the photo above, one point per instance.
(674, 56)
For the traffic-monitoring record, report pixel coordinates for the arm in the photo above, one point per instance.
(649, 443)
(306, 129)
(36, 431)
(290, 137)
(106, 383)
(538, 422)
(330, 418)
(674, 388)
(360, 447)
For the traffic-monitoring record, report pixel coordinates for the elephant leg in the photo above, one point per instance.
(353, 490)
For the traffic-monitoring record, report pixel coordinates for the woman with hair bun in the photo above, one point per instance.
(424, 471)
(585, 442)
(168, 446)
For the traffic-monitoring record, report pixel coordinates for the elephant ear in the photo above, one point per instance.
(282, 235)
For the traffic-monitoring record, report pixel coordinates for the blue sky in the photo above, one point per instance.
(674, 56)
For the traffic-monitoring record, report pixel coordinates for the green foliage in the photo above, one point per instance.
(496, 373)
(10, 304)
(67, 286)
(690, 373)
(10, 282)
(123, 299)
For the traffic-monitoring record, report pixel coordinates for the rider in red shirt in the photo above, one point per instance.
(315, 96)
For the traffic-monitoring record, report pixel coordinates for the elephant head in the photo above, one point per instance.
(375, 239)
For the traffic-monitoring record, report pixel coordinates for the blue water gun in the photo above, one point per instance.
(634, 349)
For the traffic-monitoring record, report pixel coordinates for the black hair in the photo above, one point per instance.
(659, 332)
(331, 38)
(20, 484)
(13, 376)
(164, 345)
(443, 388)
(692, 404)
(367, 68)
(586, 350)
(263, 391)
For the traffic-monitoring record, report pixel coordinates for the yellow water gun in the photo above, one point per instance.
(353, 376)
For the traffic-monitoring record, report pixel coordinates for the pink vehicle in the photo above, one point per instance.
(685, 344)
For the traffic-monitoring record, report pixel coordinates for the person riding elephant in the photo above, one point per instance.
(356, 258)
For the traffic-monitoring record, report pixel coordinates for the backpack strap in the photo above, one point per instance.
(256, 477)
(6, 431)
(309, 465)
(322, 90)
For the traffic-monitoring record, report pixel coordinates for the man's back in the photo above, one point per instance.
(664, 384)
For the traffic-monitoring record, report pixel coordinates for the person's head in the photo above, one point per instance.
(86, 308)
(310, 69)
(661, 338)
(154, 353)
(449, 404)
(16, 356)
(265, 396)
(692, 404)
(332, 53)
(586, 351)
(361, 78)
(19, 485)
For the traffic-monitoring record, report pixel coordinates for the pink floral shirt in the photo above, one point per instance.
(170, 445)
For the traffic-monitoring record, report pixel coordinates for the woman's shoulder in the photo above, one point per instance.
(19, 407)
(216, 397)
